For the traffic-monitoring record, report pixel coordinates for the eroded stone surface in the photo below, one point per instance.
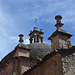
(68, 63)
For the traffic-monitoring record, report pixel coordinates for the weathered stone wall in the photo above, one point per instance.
(64, 41)
(21, 64)
(68, 63)
(12, 66)
(6, 69)
(60, 41)
(16, 66)
(52, 66)
(22, 52)
(55, 42)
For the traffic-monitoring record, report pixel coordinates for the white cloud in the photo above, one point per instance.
(14, 38)
(26, 41)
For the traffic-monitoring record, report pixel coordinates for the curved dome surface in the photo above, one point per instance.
(39, 50)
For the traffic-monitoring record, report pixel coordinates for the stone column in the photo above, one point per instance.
(35, 39)
(41, 39)
(19, 66)
(31, 40)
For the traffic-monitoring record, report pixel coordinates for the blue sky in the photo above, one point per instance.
(17, 16)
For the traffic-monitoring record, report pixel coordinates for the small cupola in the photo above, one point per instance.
(36, 35)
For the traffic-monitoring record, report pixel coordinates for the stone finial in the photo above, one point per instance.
(58, 18)
(21, 38)
(41, 30)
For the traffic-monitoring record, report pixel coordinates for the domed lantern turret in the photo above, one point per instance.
(36, 35)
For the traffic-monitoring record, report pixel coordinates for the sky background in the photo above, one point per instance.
(18, 16)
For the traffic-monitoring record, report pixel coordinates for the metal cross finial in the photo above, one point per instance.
(35, 21)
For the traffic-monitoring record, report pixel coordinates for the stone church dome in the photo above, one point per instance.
(39, 50)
